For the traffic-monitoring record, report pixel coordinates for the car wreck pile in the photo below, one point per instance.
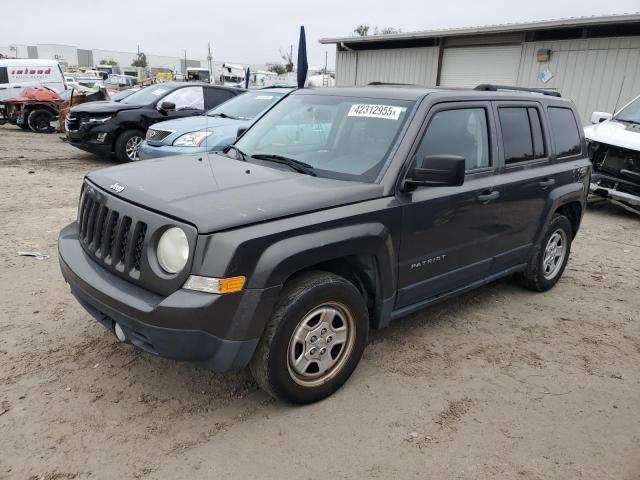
(614, 149)
(37, 108)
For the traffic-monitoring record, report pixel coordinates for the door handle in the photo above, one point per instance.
(547, 182)
(488, 195)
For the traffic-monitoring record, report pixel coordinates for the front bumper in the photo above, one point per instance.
(86, 139)
(616, 190)
(180, 326)
(146, 151)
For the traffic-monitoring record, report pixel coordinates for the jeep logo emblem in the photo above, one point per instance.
(116, 187)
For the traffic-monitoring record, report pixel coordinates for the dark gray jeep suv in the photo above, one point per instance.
(339, 210)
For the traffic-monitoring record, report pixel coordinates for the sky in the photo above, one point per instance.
(254, 32)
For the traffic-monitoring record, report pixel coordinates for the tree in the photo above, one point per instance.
(141, 61)
(361, 30)
(111, 62)
(288, 60)
(278, 68)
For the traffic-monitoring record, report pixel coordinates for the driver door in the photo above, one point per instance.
(451, 234)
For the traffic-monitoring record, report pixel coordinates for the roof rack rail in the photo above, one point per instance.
(391, 83)
(494, 88)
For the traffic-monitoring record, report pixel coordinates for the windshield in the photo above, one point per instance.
(247, 105)
(147, 95)
(346, 138)
(630, 113)
(117, 97)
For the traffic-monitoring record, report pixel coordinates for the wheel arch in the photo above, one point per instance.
(363, 254)
(568, 200)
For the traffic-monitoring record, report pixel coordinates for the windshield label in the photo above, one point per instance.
(264, 97)
(159, 91)
(375, 111)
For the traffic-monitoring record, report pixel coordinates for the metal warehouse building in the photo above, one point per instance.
(593, 60)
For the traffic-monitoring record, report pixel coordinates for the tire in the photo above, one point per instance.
(40, 121)
(329, 314)
(125, 142)
(541, 273)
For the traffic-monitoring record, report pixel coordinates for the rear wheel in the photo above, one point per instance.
(127, 144)
(548, 263)
(40, 121)
(314, 339)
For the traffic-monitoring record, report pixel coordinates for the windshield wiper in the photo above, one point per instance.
(243, 155)
(296, 165)
(626, 120)
(222, 115)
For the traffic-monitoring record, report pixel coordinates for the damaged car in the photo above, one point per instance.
(614, 149)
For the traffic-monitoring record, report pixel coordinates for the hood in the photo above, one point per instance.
(217, 193)
(615, 133)
(103, 107)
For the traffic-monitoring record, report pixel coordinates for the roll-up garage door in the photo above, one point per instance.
(468, 67)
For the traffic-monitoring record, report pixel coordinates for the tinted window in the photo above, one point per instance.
(521, 134)
(458, 132)
(565, 131)
(536, 132)
(215, 96)
(189, 98)
(4, 77)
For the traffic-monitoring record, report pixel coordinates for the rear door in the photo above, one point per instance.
(450, 234)
(527, 177)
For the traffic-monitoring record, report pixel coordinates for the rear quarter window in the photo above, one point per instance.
(564, 129)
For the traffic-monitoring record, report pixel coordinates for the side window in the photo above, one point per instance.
(4, 76)
(521, 134)
(461, 132)
(565, 131)
(189, 98)
(216, 96)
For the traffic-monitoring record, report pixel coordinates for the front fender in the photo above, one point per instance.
(284, 258)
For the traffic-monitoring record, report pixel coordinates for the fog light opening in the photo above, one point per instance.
(119, 333)
(101, 137)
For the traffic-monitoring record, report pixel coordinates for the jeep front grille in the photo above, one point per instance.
(115, 239)
(121, 237)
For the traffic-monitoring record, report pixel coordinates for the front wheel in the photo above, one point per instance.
(550, 259)
(40, 121)
(127, 144)
(314, 339)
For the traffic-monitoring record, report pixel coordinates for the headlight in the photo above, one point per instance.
(173, 250)
(193, 139)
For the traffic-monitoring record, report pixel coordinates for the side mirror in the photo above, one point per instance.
(167, 107)
(240, 132)
(436, 171)
(599, 117)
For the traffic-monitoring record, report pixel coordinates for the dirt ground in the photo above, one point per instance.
(500, 383)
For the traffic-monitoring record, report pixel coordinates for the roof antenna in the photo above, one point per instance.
(615, 109)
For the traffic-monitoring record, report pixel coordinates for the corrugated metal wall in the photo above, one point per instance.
(597, 73)
(593, 72)
(468, 67)
(402, 65)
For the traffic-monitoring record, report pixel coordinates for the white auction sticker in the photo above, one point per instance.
(264, 97)
(375, 111)
(158, 92)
